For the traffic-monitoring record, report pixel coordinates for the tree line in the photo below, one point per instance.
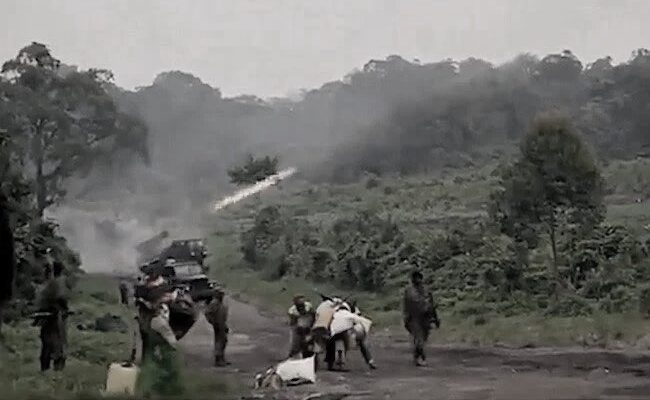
(392, 115)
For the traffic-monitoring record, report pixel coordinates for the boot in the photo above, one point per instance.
(420, 360)
(221, 362)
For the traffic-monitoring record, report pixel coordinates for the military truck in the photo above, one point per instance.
(185, 250)
(188, 276)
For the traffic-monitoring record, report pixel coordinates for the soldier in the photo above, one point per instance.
(419, 313)
(161, 365)
(146, 296)
(53, 310)
(217, 315)
(301, 318)
(124, 292)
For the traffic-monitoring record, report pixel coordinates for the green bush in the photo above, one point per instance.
(569, 305)
(465, 261)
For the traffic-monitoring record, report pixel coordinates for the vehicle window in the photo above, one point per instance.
(188, 270)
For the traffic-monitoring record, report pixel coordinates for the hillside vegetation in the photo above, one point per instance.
(364, 238)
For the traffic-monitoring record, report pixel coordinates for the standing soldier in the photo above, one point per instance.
(53, 313)
(217, 315)
(161, 367)
(146, 296)
(301, 318)
(124, 292)
(419, 313)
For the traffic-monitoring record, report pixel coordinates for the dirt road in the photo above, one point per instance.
(258, 341)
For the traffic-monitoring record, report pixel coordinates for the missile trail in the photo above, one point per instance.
(256, 188)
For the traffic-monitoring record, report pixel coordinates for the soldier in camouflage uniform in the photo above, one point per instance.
(419, 314)
(53, 305)
(217, 315)
(146, 295)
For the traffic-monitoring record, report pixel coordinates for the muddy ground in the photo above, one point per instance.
(454, 373)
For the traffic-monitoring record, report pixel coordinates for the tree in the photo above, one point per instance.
(554, 185)
(254, 170)
(7, 248)
(7, 258)
(560, 67)
(63, 119)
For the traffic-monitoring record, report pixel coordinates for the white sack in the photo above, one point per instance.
(303, 370)
(344, 320)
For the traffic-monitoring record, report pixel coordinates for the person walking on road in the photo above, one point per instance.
(419, 314)
(217, 315)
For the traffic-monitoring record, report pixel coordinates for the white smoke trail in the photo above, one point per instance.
(256, 188)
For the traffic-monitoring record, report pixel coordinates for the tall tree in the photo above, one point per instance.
(254, 170)
(12, 190)
(554, 184)
(63, 119)
(7, 253)
(7, 258)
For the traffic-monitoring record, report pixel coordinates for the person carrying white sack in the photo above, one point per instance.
(362, 331)
(348, 318)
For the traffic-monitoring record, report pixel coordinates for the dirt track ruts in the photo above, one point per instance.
(454, 373)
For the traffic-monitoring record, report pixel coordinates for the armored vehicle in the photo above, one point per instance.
(185, 250)
(189, 276)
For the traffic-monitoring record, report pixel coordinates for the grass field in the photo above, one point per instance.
(89, 353)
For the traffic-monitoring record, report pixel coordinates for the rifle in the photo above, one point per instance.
(39, 317)
(433, 312)
(324, 297)
(46, 314)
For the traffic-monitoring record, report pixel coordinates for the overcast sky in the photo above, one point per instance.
(273, 47)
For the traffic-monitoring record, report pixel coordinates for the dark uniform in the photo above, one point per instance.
(419, 314)
(217, 315)
(124, 293)
(147, 295)
(53, 304)
(161, 367)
